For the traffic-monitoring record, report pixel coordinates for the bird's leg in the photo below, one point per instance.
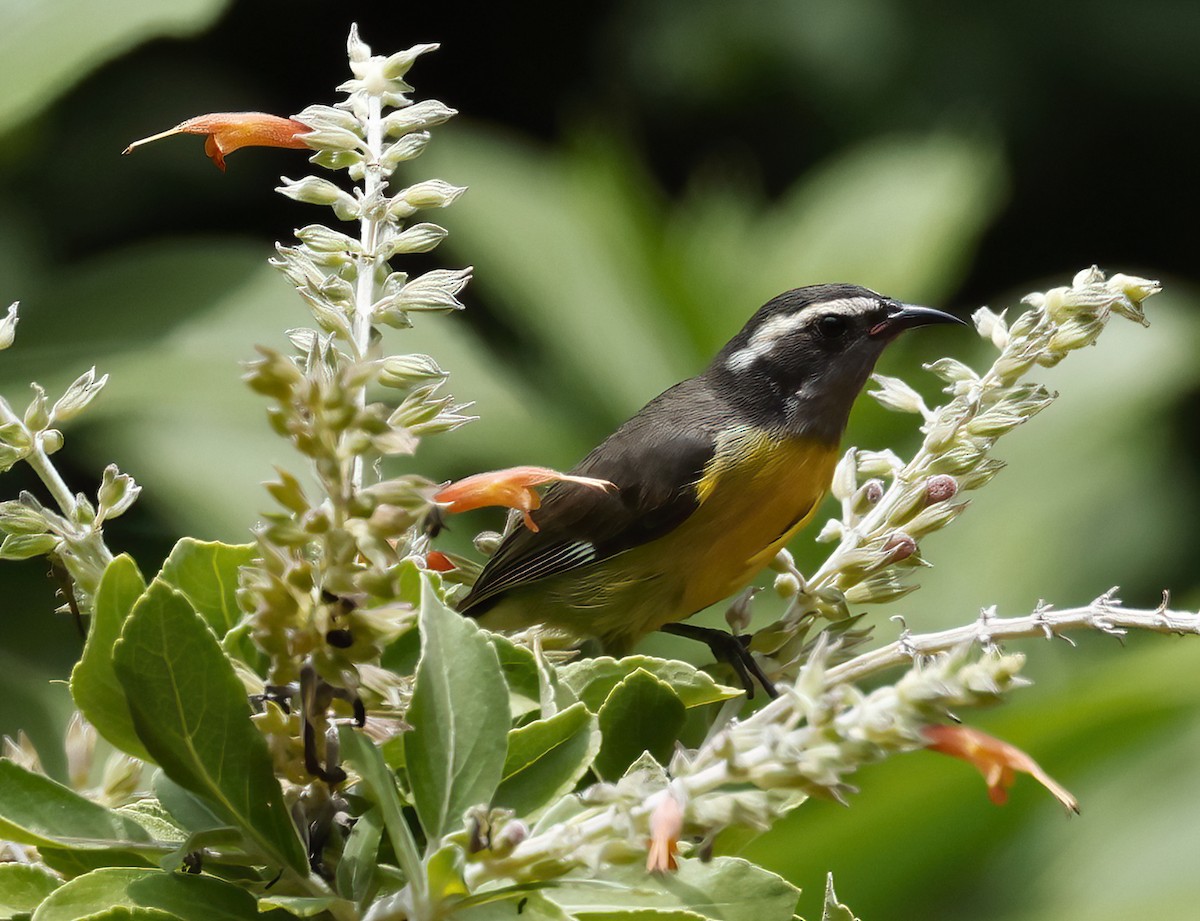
(730, 649)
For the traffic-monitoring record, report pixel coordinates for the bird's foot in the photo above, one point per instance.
(732, 650)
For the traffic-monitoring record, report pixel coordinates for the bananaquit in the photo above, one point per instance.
(713, 477)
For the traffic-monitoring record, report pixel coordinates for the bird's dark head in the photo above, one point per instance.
(801, 360)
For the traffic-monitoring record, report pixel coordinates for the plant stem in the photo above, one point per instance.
(368, 262)
(1104, 614)
(39, 460)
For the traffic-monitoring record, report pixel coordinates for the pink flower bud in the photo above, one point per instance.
(899, 546)
(939, 488)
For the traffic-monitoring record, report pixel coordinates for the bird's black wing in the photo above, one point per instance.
(655, 460)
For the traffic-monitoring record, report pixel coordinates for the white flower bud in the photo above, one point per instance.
(418, 117)
(320, 116)
(305, 340)
(27, 546)
(1075, 334)
(885, 463)
(407, 148)
(18, 518)
(37, 416)
(1056, 304)
(845, 480)
(787, 585)
(1135, 288)
(951, 371)
(896, 395)
(782, 561)
(945, 425)
(991, 326)
(356, 49)
(335, 141)
(117, 493)
(317, 191)
(435, 290)
(405, 371)
(8, 326)
(432, 193)
(321, 239)
(1087, 278)
(420, 238)
(78, 396)
(487, 542)
(398, 64)
(738, 614)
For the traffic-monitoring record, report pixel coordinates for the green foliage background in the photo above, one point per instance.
(643, 175)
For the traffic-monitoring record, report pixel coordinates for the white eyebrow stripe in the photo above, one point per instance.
(763, 340)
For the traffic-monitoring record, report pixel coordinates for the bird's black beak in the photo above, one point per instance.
(907, 316)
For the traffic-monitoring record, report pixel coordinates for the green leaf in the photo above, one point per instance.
(367, 761)
(37, 810)
(520, 669)
(94, 685)
(642, 714)
(444, 870)
(190, 811)
(724, 889)
(546, 758)
(190, 711)
(356, 869)
(460, 718)
(645, 914)
(124, 913)
(153, 816)
(302, 906)
(206, 573)
(527, 905)
(47, 47)
(593, 679)
(23, 886)
(187, 897)
(835, 910)
(75, 862)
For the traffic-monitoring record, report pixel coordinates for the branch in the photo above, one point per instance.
(1105, 614)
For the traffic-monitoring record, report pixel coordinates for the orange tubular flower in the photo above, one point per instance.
(997, 760)
(227, 131)
(666, 826)
(437, 561)
(510, 488)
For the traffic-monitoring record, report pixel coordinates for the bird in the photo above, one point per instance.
(711, 479)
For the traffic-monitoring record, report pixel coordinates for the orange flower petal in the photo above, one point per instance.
(227, 131)
(509, 488)
(666, 825)
(438, 561)
(996, 759)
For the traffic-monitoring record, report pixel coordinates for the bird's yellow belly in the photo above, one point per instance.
(754, 497)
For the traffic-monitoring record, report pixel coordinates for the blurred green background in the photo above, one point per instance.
(643, 175)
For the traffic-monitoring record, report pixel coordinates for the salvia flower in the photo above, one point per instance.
(666, 827)
(997, 761)
(227, 131)
(509, 488)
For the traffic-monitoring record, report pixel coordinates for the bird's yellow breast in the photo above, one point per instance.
(754, 495)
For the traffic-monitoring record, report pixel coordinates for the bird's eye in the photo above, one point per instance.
(833, 325)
